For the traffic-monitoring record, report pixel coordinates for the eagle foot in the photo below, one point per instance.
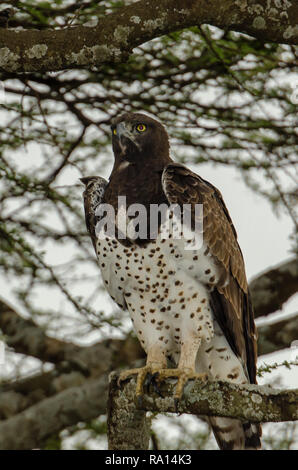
(149, 375)
(146, 376)
(151, 380)
(183, 376)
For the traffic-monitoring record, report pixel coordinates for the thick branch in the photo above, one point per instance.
(73, 363)
(117, 34)
(245, 402)
(270, 290)
(128, 428)
(25, 337)
(216, 398)
(21, 394)
(276, 336)
(30, 428)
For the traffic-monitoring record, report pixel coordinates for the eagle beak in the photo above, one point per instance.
(123, 135)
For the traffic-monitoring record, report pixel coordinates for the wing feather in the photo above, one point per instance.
(93, 197)
(230, 299)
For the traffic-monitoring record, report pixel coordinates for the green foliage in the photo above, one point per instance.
(268, 368)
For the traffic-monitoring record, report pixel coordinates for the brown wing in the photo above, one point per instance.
(93, 196)
(230, 300)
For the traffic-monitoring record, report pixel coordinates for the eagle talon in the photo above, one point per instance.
(148, 381)
(154, 383)
(145, 377)
(183, 377)
(127, 374)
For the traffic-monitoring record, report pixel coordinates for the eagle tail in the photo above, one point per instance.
(232, 434)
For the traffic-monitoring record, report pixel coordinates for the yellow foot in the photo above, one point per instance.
(159, 374)
(183, 376)
(141, 373)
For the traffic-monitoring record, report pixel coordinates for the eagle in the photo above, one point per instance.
(189, 303)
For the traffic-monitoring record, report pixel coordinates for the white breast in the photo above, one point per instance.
(164, 287)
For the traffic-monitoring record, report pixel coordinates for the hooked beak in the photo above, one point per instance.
(123, 135)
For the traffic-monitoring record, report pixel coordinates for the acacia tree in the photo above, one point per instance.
(67, 69)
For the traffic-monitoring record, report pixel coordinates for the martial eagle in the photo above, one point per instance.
(188, 305)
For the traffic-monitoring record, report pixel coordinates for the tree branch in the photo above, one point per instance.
(26, 337)
(73, 363)
(270, 290)
(277, 336)
(245, 402)
(216, 398)
(115, 35)
(128, 428)
(30, 428)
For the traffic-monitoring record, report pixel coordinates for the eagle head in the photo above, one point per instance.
(139, 139)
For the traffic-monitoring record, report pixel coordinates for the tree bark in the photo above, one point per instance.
(25, 337)
(30, 428)
(128, 428)
(271, 289)
(245, 402)
(277, 336)
(115, 35)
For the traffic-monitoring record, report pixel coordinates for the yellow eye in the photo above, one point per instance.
(141, 127)
(115, 131)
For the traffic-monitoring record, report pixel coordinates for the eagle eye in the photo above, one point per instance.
(141, 127)
(114, 131)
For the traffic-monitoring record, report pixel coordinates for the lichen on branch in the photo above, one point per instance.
(114, 36)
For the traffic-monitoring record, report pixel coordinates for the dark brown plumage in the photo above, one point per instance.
(140, 181)
(220, 308)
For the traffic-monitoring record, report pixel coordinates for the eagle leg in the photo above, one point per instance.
(186, 368)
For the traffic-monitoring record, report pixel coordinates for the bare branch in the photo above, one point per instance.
(115, 35)
(30, 428)
(270, 290)
(216, 398)
(26, 337)
(276, 336)
(19, 395)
